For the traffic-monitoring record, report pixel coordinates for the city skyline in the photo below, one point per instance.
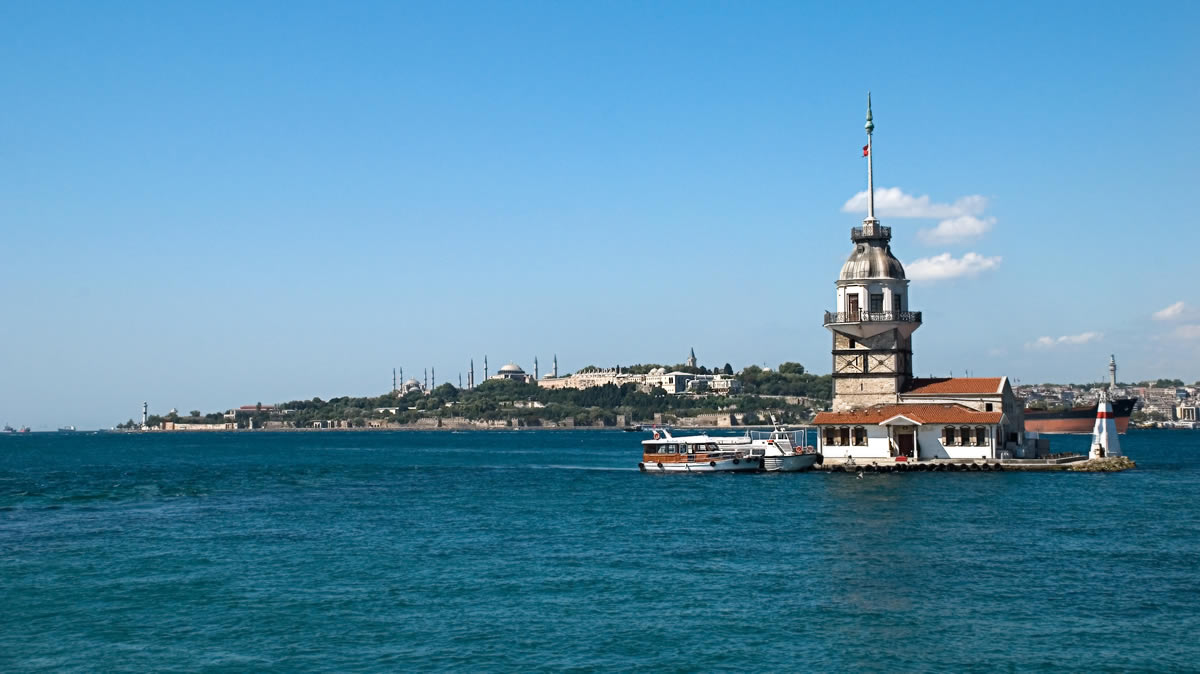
(214, 206)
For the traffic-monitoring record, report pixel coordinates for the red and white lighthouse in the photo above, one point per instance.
(1104, 434)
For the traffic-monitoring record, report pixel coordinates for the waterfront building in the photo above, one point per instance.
(880, 410)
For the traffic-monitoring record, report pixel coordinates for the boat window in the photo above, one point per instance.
(712, 446)
(670, 449)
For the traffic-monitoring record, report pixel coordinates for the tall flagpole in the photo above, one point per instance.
(870, 157)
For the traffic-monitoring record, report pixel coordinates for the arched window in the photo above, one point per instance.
(829, 441)
(948, 436)
(860, 436)
(980, 435)
(844, 435)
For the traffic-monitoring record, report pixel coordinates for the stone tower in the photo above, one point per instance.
(691, 361)
(872, 326)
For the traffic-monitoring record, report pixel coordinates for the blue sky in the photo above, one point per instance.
(212, 204)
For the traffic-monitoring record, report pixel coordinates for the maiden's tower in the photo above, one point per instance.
(880, 410)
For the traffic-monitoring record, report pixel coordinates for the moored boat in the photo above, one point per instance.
(665, 453)
(784, 450)
(779, 450)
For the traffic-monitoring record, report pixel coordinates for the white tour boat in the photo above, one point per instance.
(770, 451)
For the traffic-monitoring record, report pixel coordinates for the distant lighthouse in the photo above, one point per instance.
(1105, 443)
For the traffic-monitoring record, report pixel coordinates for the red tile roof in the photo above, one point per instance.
(956, 385)
(921, 413)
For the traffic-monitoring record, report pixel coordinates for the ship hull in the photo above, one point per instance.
(1077, 419)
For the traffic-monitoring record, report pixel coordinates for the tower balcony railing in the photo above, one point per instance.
(863, 316)
(870, 232)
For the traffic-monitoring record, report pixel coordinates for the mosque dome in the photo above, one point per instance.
(869, 261)
(412, 383)
(511, 368)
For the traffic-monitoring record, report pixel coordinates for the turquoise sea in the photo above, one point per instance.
(548, 550)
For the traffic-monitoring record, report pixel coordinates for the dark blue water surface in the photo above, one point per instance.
(548, 550)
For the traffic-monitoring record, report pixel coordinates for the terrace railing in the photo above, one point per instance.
(863, 316)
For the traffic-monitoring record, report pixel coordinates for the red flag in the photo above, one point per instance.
(866, 150)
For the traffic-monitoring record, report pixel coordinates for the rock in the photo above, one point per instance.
(1108, 465)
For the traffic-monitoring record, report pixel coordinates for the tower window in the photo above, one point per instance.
(897, 302)
(876, 303)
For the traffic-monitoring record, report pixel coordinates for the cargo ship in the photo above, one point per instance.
(1078, 419)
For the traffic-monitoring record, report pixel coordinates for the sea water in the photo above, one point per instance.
(548, 550)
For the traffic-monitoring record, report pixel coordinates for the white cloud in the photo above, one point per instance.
(956, 229)
(1166, 314)
(893, 202)
(946, 266)
(1065, 340)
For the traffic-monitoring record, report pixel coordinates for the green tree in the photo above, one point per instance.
(791, 368)
(728, 369)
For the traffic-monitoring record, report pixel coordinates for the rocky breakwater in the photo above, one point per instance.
(1106, 465)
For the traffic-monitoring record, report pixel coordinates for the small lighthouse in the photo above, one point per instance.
(1105, 443)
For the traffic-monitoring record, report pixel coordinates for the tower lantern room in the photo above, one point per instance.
(872, 325)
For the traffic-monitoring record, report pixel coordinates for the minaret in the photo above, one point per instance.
(425, 377)
(1112, 372)
(393, 380)
(535, 369)
(555, 366)
(872, 326)
(145, 413)
(485, 368)
(432, 379)
(471, 375)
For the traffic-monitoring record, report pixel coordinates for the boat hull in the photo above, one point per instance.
(789, 464)
(722, 466)
(1077, 419)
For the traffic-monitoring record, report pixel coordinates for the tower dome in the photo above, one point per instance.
(511, 368)
(872, 259)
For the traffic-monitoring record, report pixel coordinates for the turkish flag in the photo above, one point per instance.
(866, 150)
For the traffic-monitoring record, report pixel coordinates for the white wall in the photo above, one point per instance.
(877, 445)
(932, 446)
(929, 439)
